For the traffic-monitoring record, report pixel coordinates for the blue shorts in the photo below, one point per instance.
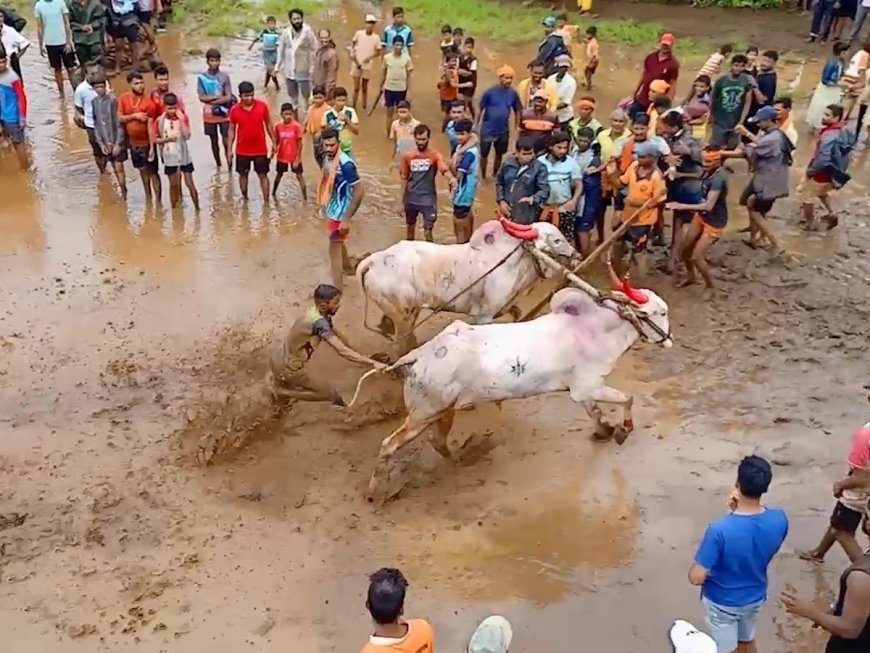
(680, 194)
(392, 98)
(587, 216)
(728, 625)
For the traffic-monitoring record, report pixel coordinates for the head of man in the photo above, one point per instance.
(371, 21)
(525, 151)
(422, 134)
(297, 17)
(711, 158)
(99, 84)
(618, 120)
(640, 128)
(213, 59)
(536, 70)
(767, 60)
(339, 98)
(658, 88)
(702, 84)
(561, 21)
(765, 118)
(666, 43)
(385, 600)
(271, 23)
(584, 138)
(751, 56)
(753, 477)
(288, 113)
(136, 82)
(170, 105)
(558, 146)
(463, 130)
(782, 106)
(833, 115)
(446, 33)
(548, 25)
(739, 63)
(672, 123)
(539, 103)
(318, 95)
(585, 108)
(398, 45)
(161, 78)
(505, 76)
(451, 59)
(246, 94)
(403, 111)
(457, 110)
(327, 299)
(92, 70)
(398, 16)
(329, 142)
(467, 46)
(325, 38)
(647, 155)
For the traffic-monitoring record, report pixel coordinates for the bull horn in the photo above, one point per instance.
(614, 278)
(635, 295)
(520, 231)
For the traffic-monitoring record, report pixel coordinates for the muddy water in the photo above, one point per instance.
(117, 320)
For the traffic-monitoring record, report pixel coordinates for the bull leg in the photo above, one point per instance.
(607, 395)
(405, 330)
(603, 430)
(402, 436)
(444, 425)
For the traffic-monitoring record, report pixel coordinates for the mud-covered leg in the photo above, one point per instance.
(406, 433)
(607, 395)
(444, 425)
(405, 330)
(603, 430)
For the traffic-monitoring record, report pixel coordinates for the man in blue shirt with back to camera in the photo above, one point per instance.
(731, 562)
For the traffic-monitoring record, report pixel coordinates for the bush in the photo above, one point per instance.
(747, 4)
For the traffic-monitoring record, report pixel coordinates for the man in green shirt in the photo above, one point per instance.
(87, 21)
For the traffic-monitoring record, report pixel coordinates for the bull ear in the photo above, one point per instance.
(485, 235)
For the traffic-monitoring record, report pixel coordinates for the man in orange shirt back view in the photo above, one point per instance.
(386, 603)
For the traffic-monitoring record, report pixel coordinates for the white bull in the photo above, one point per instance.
(572, 348)
(412, 275)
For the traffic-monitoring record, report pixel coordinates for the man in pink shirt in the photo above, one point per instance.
(852, 493)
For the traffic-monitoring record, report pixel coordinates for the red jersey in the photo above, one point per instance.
(289, 137)
(251, 124)
(157, 97)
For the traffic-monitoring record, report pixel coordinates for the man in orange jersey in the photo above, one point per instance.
(386, 603)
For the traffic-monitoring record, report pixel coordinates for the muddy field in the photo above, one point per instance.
(125, 332)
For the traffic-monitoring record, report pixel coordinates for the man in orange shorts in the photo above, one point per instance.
(386, 604)
(710, 218)
(339, 194)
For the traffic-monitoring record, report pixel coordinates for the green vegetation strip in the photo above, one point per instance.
(234, 17)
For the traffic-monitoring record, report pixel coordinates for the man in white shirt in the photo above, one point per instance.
(84, 117)
(14, 44)
(566, 87)
(296, 58)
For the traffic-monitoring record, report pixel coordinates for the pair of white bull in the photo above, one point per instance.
(572, 348)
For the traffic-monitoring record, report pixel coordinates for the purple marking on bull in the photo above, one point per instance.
(441, 352)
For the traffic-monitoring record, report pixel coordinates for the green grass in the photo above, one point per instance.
(514, 23)
(234, 17)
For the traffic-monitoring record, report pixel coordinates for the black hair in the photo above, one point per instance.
(785, 101)
(585, 132)
(536, 64)
(422, 129)
(451, 52)
(726, 49)
(245, 88)
(324, 292)
(526, 143)
(329, 134)
(134, 74)
(836, 109)
(296, 10)
(458, 104)
(161, 70)
(458, 31)
(562, 17)
(740, 58)
(340, 91)
(386, 595)
(704, 78)
(270, 19)
(663, 102)
(771, 54)
(212, 53)
(318, 90)
(673, 119)
(592, 30)
(398, 39)
(398, 11)
(469, 40)
(641, 119)
(170, 100)
(753, 476)
(287, 107)
(446, 29)
(463, 126)
(403, 104)
(751, 48)
(558, 137)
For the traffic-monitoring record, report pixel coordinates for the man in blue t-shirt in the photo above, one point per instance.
(496, 105)
(732, 559)
(466, 164)
(398, 28)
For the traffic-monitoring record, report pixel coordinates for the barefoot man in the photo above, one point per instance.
(286, 376)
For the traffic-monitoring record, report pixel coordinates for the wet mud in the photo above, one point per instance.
(131, 351)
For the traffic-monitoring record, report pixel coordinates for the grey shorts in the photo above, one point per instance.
(728, 625)
(13, 131)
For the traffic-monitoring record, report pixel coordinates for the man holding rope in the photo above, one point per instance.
(288, 357)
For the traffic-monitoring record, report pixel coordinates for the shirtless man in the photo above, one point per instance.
(286, 376)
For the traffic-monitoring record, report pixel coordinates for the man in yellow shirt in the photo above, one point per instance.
(537, 82)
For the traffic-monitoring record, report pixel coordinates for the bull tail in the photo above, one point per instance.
(397, 370)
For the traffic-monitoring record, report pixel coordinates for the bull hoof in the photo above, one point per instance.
(603, 432)
(620, 434)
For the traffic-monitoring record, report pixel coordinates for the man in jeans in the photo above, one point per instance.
(732, 559)
(860, 17)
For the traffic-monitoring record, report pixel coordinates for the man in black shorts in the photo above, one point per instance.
(250, 124)
(55, 39)
(123, 26)
(496, 105)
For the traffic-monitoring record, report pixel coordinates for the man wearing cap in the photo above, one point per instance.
(551, 47)
(493, 120)
(849, 619)
(538, 122)
(566, 87)
(770, 155)
(366, 45)
(493, 635)
(661, 64)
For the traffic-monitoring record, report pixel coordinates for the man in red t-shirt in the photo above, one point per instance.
(288, 148)
(249, 126)
(136, 112)
(661, 64)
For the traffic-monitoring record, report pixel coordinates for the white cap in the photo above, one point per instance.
(371, 18)
(493, 635)
(685, 638)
